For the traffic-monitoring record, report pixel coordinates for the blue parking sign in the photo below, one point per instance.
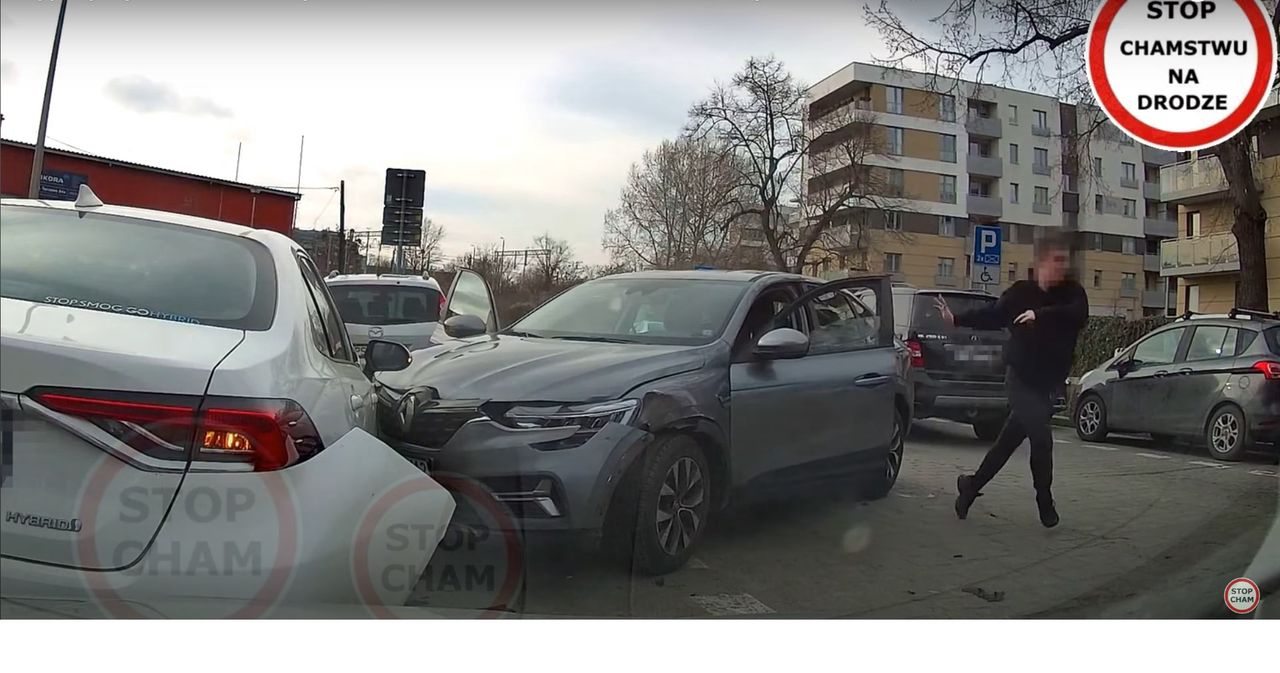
(986, 246)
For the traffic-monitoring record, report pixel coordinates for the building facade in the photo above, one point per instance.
(957, 154)
(1202, 264)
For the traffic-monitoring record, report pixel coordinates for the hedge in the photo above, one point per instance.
(1104, 334)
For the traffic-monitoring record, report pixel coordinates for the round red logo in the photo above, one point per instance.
(1241, 595)
(1181, 74)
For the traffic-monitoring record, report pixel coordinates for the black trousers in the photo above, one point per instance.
(1030, 411)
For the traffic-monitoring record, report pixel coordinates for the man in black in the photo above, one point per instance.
(1043, 317)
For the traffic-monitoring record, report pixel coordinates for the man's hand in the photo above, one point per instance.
(944, 310)
(1025, 317)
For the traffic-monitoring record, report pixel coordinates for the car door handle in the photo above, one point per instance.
(871, 380)
(1185, 370)
(1162, 372)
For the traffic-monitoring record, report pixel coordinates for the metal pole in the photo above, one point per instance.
(301, 144)
(37, 163)
(342, 226)
(404, 187)
(238, 149)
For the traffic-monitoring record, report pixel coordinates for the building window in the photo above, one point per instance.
(949, 148)
(947, 108)
(893, 98)
(1129, 281)
(1013, 192)
(895, 141)
(1042, 119)
(1193, 223)
(1013, 115)
(948, 189)
(946, 267)
(1097, 277)
(1013, 272)
(1130, 208)
(1097, 166)
(1095, 240)
(1097, 203)
(893, 220)
(896, 182)
(1013, 153)
(1031, 273)
(893, 263)
(946, 225)
(1042, 196)
(1130, 245)
(1128, 172)
(1040, 158)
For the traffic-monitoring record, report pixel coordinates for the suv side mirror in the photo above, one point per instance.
(385, 356)
(783, 343)
(462, 326)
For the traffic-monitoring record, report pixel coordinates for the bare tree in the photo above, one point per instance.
(556, 265)
(676, 207)
(1042, 41)
(426, 256)
(759, 118)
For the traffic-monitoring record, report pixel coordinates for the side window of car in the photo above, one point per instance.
(1211, 342)
(1158, 349)
(335, 332)
(318, 336)
(843, 323)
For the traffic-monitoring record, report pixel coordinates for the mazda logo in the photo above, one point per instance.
(375, 332)
(408, 407)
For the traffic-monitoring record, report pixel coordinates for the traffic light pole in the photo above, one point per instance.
(37, 162)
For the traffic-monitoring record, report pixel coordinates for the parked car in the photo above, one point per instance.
(636, 405)
(958, 371)
(159, 371)
(396, 307)
(1212, 378)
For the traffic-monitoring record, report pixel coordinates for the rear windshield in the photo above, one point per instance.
(926, 318)
(1273, 339)
(136, 267)
(386, 304)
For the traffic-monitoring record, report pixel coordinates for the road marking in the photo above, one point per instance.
(904, 495)
(1155, 456)
(721, 605)
(1101, 448)
(1264, 473)
(1205, 463)
(696, 563)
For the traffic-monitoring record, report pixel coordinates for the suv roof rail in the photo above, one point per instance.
(1238, 312)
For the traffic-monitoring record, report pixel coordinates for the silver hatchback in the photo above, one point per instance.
(400, 308)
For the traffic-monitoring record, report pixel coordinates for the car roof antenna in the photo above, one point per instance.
(87, 199)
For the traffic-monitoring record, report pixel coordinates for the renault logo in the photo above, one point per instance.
(375, 332)
(408, 407)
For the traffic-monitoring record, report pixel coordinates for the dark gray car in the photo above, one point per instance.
(637, 404)
(1211, 378)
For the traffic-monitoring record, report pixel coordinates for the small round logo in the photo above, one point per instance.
(1241, 595)
(1181, 74)
(375, 332)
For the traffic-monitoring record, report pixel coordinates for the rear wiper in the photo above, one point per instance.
(595, 339)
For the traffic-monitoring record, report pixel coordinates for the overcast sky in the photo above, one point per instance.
(525, 116)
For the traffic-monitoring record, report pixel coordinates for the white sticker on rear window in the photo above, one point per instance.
(120, 308)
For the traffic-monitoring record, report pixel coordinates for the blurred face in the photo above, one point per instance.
(1051, 267)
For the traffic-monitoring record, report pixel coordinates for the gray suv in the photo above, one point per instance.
(636, 405)
(1215, 379)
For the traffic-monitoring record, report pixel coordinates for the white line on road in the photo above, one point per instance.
(1264, 473)
(1155, 456)
(1205, 463)
(696, 563)
(1101, 448)
(731, 604)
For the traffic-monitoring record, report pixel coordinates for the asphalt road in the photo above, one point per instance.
(1147, 531)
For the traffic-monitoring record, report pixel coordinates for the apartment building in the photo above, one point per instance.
(956, 154)
(1202, 264)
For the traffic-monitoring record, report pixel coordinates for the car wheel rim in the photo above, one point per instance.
(1225, 434)
(893, 463)
(681, 496)
(1090, 417)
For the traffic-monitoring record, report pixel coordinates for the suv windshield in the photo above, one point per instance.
(137, 267)
(386, 304)
(637, 310)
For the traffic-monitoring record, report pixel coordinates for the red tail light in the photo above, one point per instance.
(1269, 369)
(443, 301)
(917, 353)
(268, 434)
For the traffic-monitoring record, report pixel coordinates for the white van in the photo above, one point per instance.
(400, 308)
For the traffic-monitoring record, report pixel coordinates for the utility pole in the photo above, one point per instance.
(37, 163)
(342, 226)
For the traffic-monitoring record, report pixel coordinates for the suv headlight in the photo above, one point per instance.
(588, 418)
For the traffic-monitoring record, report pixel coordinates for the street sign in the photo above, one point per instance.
(393, 217)
(412, 236)
(405, 188)
(986, 255)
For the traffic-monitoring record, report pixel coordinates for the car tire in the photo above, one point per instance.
(671, 506)
(988, 428)
(877, 483)
(1091, 418)
(1227, 434)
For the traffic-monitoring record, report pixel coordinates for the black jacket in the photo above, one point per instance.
(1039, 352)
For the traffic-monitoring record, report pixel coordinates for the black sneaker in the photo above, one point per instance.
(966, 494)
(1048, 513)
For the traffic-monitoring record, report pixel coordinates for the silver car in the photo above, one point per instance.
(400, 308)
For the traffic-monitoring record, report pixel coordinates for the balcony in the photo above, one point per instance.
(1042, 207)
(1199, 255)
(948, 197)
(1128, 292)
(977, 125)
(988, 166)
(1151, 190)
(1041, 169)
(1151, 155)
(989, 206)
(1041, 131)
(1153, 298)
(1160, 226)
(1193, 180)
(1151, 263)
(1129, 183)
